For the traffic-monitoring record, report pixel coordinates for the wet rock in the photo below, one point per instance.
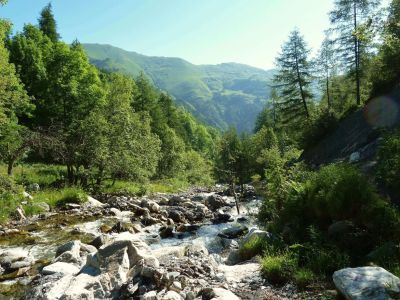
(187, 227)
(105, 228)
(20, 213)
(166, 232)
(12, 260)
(221, 217)
(367, 283)
(215, 202)
(233, 232)
(43, 206)
(72, 206)
(176, 200)
(176, 216)
(60, 267)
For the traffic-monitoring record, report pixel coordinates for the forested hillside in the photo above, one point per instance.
(221, 95)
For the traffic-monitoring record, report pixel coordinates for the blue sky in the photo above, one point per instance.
(200, 31)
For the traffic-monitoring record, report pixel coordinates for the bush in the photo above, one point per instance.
(303, 277)
(338, 192)
(388, 163)
(319, 128)
(72, 195)
(278, 269)
(252, 247)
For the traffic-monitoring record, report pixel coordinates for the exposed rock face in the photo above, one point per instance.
(367, 283)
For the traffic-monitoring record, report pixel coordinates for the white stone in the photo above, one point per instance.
(367, 283)
(60, 267)
(354, 157)
(150, 296)
(28, 196)
(171, 295)
(222, 294)
(93, 202)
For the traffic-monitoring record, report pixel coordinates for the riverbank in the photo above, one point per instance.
(164, 246)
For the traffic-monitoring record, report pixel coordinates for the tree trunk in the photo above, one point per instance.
(327, 91)
(70, 174)
(234, 196)
(10, 167)
(303, 97)
(357, 55)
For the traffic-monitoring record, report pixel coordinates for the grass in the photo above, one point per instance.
(252, 247)
(278, 269)
(303, 277)
(44, 175)
(57, 198)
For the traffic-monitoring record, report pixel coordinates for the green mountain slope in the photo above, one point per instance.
(222, 95)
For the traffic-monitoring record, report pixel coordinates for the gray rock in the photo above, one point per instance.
(150, 296)
(60, 267)
(73, 246)
(233, 232)
(171, 295)
(215, 202)
(367, 283)
(256, 233)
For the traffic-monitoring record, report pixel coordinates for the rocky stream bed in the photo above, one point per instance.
(182, 246)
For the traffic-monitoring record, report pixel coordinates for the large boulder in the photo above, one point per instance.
(215, 202)
(255, 233)
(367, 283)
(60, 267)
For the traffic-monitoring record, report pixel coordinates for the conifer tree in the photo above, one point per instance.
(48, 24)
(352, 22)
(293, 79)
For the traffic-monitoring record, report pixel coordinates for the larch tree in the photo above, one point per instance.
(293, 80)
(352, 22)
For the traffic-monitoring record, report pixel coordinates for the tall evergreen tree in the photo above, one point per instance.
(48, 24)
(293, 79)
(352, 22)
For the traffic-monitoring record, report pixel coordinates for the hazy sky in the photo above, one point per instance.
(200, 31)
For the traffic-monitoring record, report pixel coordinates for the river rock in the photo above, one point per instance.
(99, 241)
(115, 212)
(176, 200)
(233, 231)
(221, 217)
(217, 294)
(166, 232)
(150, 296)
(215, 202)
(60, 267)
(255, 233)
(72, 246)
(171, 295)
(367, 283)
(176, 216)
(93, 203)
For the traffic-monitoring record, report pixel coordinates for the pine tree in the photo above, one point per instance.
(352, 21)
(47, 23)
(293, 79)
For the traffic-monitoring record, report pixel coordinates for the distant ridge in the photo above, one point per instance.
(223, 95)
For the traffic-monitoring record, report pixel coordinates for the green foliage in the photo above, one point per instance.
(293, 80)
(197, 170)
(252, 247)
(319, 127)
(388, 162)
(58, 198)
(278, 269)
(47, 23)
(303, 277)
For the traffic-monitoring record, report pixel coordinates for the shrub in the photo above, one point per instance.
(303, 277)
(388, 163)
(338, 192)
(278, 269)
(320, 127)
(72, 195)
(252, 247)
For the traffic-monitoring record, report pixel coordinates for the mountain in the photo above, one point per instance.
(223, 95)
